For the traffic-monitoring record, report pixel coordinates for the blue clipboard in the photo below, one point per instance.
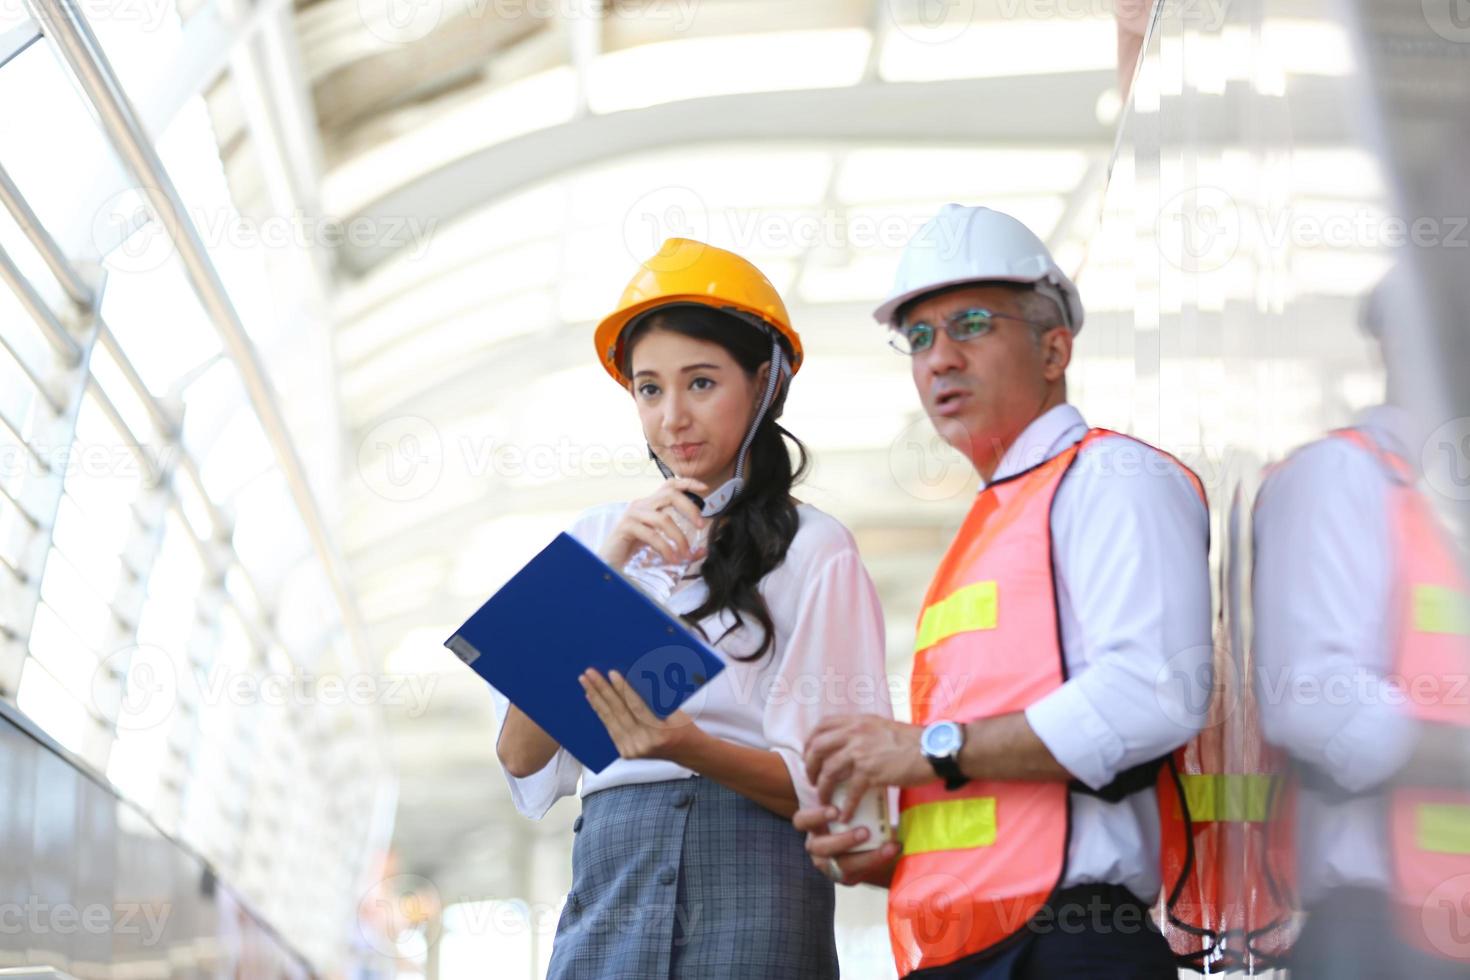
(565, 611)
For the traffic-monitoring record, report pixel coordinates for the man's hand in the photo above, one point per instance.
(863, 751)
(872, 867)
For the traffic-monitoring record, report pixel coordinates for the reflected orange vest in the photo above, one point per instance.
(979, 862)
(1429, 829)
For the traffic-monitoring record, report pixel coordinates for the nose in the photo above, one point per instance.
(675, 412)
(943, 357)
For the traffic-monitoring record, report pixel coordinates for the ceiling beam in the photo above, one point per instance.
(1061, 115)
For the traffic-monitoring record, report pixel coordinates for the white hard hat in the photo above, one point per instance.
(962, 245)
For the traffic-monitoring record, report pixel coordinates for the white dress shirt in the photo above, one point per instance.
(828, 658)
(1130, 551)
(1321, 592)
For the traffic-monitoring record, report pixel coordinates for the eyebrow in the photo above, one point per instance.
(684, 370)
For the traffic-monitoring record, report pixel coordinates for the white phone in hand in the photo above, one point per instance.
(872, 813)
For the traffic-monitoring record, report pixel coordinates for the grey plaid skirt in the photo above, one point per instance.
(688, 879)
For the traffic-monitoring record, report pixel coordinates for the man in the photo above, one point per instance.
(1362, 614)
(1077, 584)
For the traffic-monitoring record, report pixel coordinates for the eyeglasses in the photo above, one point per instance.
(915, 338)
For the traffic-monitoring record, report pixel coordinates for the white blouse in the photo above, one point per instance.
(827, 659)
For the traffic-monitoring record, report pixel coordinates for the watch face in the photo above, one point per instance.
(941, 739)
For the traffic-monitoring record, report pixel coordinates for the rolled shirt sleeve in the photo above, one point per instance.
(533, 795)
(1130, 540)
(833, 663)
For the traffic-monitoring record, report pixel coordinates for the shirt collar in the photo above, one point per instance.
(1392, 428)
(1046, 436)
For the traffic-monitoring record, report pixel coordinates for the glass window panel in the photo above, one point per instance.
(15, 535)
(136, 763)
(210, 400)
(21, 405)
(141, 41)
(154, 312)
(168, 616)
(236, 245)
(27, 336)
(269, 536)
(307, 612)
(18, 461)
(85, 613)
(124, 398)
(192, 506)
(57, 155)
(24, 337)
(238, 455)
(237, 584)
(49, 704)
(67, 657)
(103, 474)
(93, 547)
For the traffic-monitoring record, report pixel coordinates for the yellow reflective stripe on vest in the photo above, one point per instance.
(1239, 797)
(1441, 610)
(971, 607)
(1443, 828)
(947, 825)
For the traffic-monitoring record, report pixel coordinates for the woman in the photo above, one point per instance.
(684, 863)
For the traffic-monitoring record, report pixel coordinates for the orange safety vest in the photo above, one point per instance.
(1429, 828)
(979, 862)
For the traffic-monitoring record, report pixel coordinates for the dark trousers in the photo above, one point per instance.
(1095, 931)
(1351, 935)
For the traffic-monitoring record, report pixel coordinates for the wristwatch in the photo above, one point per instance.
(941, 743)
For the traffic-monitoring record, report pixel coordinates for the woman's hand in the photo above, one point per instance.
(650, 522)
(873, 866)
(636, 731)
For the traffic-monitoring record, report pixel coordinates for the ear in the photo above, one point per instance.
(1056, 353)
(762, 377)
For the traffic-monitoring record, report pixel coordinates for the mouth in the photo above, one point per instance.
(950, 402)
(685, 450)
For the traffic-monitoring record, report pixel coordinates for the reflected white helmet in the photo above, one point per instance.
(973, 245)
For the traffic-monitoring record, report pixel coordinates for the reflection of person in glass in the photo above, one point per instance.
(1362, 662)
(684, 863)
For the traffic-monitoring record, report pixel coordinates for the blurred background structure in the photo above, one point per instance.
(295, 369)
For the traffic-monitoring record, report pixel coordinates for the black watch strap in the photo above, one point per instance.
(948, 769)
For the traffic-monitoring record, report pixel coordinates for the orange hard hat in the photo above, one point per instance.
(684, 271)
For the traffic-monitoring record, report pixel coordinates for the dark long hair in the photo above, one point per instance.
(751, 537)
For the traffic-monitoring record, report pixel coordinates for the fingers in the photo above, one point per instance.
(613, 725)
(834, 723)
(812, 819)
(678, 500)
(609, 707)
(665, 524)
(857, 868)
(834, 773)
(645, 534)
(819, 746)
(682, 483)
(825, 846)
(632, 700)
(856, 790)
(660, 531)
